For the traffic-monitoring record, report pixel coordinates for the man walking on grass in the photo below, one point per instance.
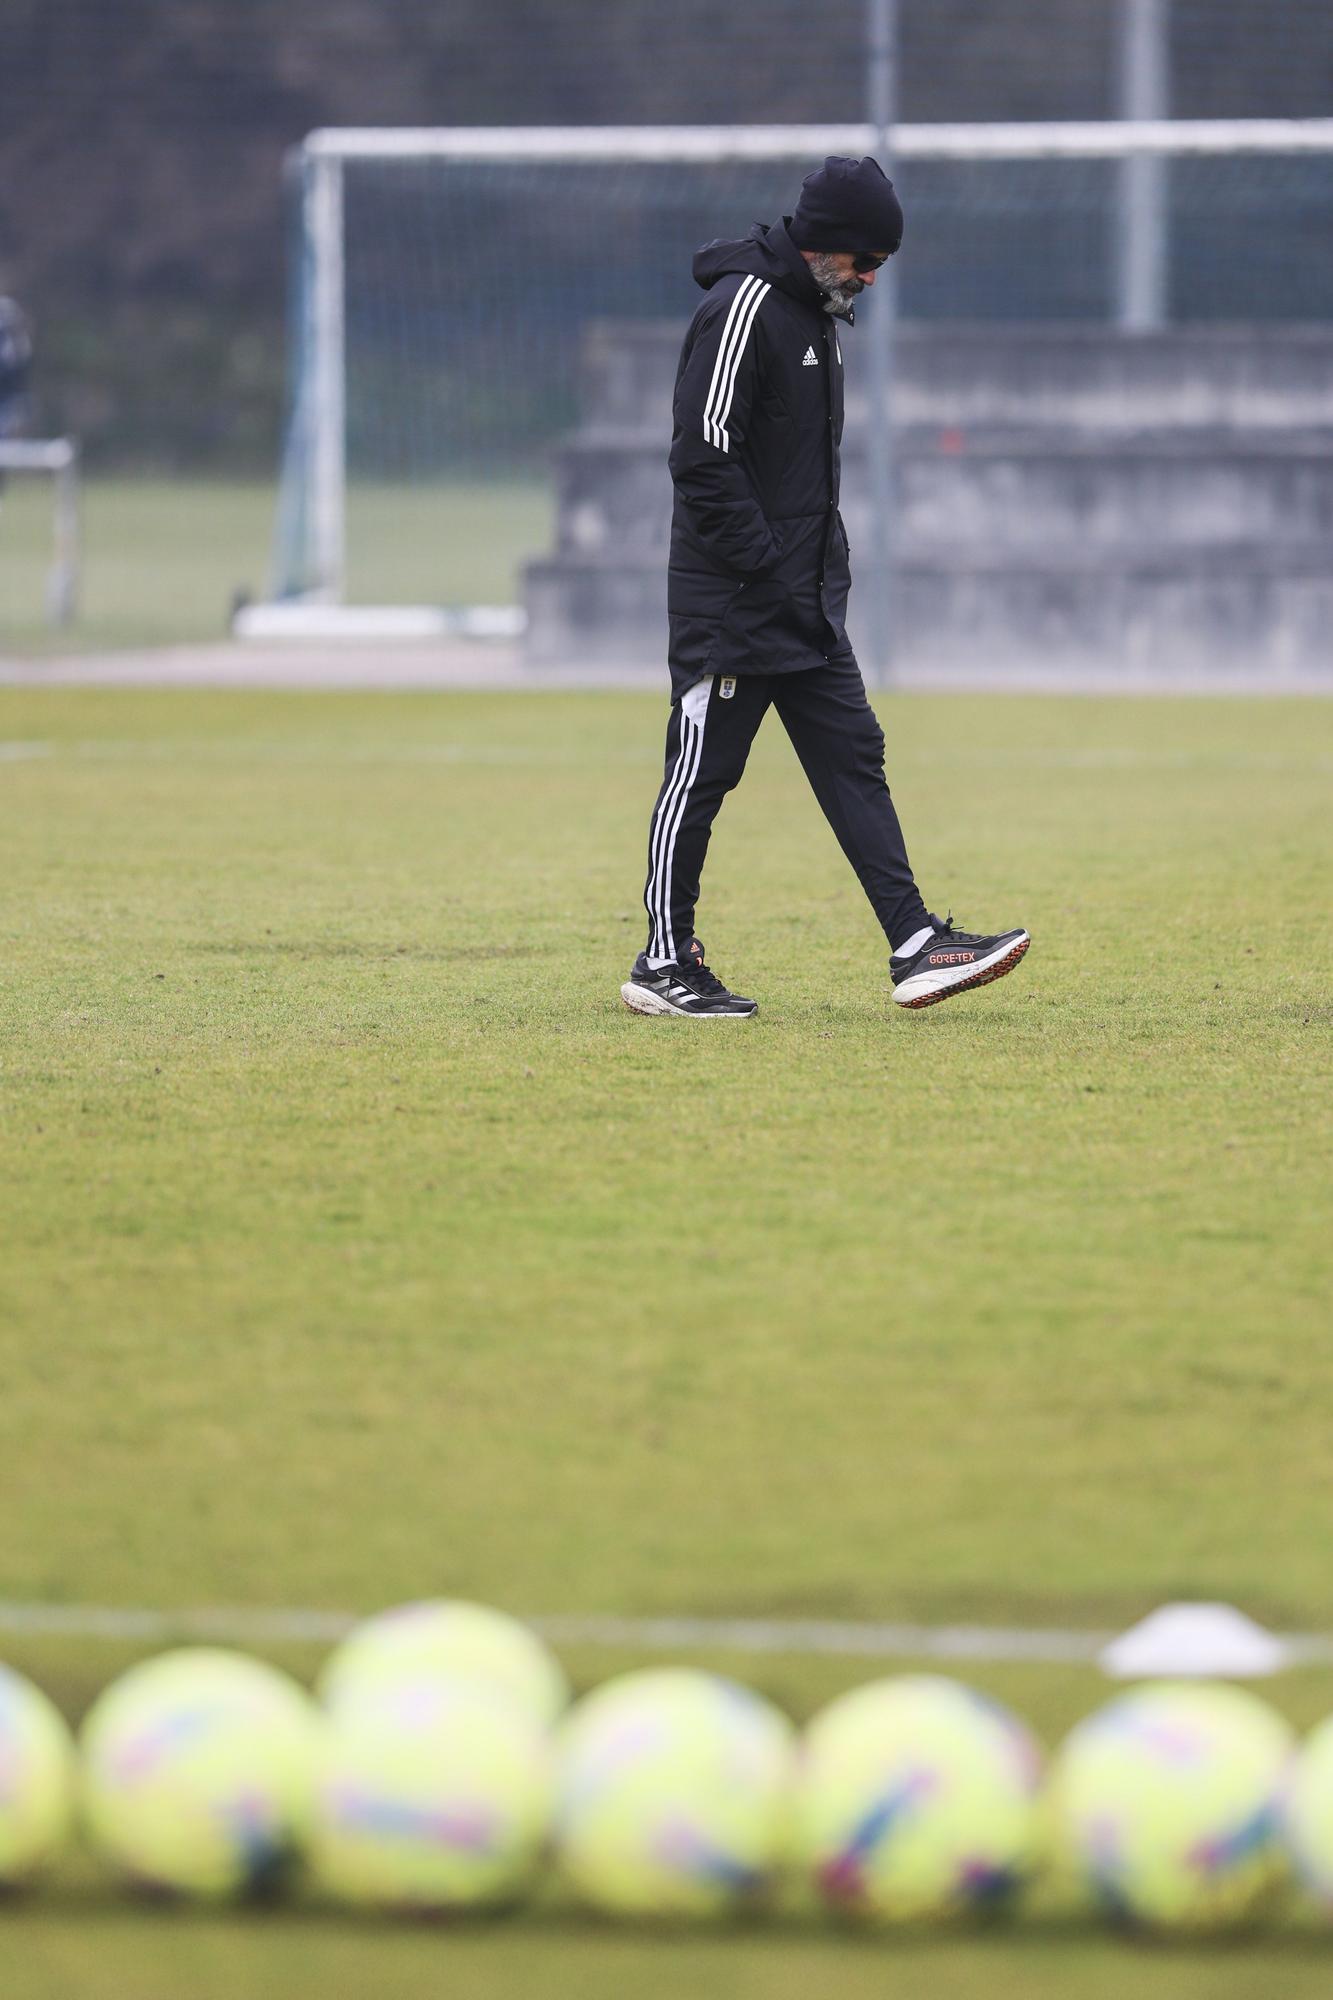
(757, 592)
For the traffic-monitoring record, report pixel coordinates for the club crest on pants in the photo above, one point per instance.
(727, 688)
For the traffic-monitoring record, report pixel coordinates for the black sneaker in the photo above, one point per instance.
(687, 987)
(952, 962)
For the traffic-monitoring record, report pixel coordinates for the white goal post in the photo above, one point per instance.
(309, 594)
(57, 459)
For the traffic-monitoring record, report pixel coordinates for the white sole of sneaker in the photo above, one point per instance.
(924, 989)
(640, 1001)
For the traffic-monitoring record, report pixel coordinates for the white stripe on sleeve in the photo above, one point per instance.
(735, 333)
(739, 340)
(745, 288)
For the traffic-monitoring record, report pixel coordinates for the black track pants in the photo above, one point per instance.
(841, 747)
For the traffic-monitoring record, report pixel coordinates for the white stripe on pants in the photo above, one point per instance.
(662, 846)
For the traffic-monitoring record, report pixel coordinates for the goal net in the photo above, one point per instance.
(463, 299)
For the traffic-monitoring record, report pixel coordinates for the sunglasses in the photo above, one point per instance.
(868, 260)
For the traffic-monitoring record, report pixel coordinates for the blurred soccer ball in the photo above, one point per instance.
(432, 1795)
(1165, 1803)
(447, 1636)
(197, 1772)
(672, 1794)
(36, 1778)
(1308, 1814)
(916, 1800)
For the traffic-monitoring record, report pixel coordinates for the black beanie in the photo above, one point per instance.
(847, 205)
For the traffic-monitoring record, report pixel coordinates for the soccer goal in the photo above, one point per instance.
(58, 460)
(462, 299)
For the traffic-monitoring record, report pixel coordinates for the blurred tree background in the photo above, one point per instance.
(142, 142)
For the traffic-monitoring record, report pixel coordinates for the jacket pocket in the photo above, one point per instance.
(721, 631)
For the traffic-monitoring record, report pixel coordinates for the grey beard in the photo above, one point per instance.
(838, 292)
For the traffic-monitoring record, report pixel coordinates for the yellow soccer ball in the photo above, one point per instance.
(672, 1795)
(916, 1801)
(431, 1795)
(1165, 1805)
(447, 1636)
(36, 1778)
(197, 1773)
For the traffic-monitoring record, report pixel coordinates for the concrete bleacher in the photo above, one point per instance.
(1068, 497)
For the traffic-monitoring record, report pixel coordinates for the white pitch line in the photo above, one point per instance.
(801, 1635)
(237, 1625)
(227, 1625)
(221, 750)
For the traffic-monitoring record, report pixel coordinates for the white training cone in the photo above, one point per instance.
(1194, 1641)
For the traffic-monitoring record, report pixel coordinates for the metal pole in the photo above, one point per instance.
(1141, 231)
(62, 595)
(328, 409)
(882, 69)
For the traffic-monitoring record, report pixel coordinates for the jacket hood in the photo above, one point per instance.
(766, 252)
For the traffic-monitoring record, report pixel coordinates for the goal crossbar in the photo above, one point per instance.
(1103, 139)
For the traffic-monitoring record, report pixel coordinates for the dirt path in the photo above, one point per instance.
(486, 664)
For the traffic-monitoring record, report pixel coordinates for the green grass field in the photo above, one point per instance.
(359, 1244)
(164, 559)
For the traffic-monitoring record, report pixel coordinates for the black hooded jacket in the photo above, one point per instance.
(759, 573)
